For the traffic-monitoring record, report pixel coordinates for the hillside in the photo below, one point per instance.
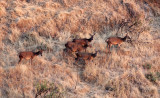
(131, 71)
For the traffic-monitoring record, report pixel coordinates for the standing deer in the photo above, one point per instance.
(86, 56)
(116, 41)
(74, 47)
(28, 55)
(84, 41)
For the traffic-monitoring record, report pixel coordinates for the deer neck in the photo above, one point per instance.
(36, 53)
(90, 39)
(124, 39)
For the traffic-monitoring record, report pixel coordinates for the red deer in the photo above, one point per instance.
(74, 47)
(84, 41)
(116, 41)
(85, 56)
(28, 55)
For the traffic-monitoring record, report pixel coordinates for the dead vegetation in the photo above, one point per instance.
(129, 72)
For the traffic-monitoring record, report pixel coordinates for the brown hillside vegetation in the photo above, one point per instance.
(129, 71)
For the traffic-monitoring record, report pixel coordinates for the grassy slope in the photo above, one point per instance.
(49, 24)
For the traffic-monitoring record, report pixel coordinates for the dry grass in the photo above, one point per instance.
(131, 71)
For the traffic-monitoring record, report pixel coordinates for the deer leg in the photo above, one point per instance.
(20, 60)
(85, 62)
(85, 49)
(109, 48)
(70, 52)
(106, 48)
(64, 52)
(31, 61)
(119, 46)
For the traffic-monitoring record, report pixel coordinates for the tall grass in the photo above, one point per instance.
(30, 25)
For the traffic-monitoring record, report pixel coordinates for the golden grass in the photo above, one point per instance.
(48, 25)
(126, 86)
(25, 24)
(2, 11)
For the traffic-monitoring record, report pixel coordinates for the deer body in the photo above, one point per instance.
(85, 56)
(28, 55)
(74, 47)
(116, 41)
(81, 41)
(78, 45)
(84, 41)
(78, 48)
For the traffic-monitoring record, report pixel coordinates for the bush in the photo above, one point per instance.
(147, 66)
(158, 75)
(109, 88)
(49, 90)
(151, 77)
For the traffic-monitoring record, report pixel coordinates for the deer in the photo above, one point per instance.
(86, 56)
(84, 41)
(116, 41)
(74, 47)
(78, 48)
(28, 55)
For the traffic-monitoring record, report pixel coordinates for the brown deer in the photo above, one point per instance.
(116, 41)
(74, 47)
(85, 56)
(28, 55)
(84, 41)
